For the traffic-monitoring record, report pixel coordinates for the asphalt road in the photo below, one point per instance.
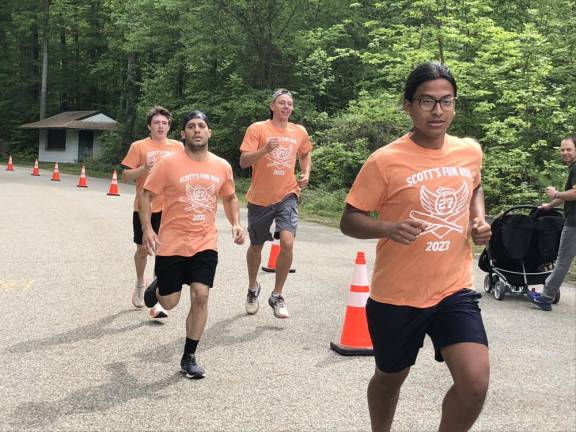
(76, 356)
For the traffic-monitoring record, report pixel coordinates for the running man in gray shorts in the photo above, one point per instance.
(271, 148)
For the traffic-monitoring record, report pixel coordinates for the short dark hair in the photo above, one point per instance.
(158, 110)
(571, 138)
(194, 115)
(427, 72)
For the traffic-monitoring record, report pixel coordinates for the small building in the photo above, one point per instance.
(71, 136)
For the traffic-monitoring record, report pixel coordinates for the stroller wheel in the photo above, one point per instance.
(556, 298)
(499, 290)
(489, 283)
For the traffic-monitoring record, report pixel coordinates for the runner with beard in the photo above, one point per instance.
(191, 182)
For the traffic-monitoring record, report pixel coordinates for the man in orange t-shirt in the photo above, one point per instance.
(137, 163)
(426, 187)
(271, 148)
(191, 182)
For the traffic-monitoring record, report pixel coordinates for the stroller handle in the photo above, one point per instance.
(520, 207)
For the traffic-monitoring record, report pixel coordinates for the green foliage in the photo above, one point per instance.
(336, 165)
(345, 61)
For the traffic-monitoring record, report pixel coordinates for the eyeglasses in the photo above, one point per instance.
(428, 103)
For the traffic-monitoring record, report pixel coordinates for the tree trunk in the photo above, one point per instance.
(44, 85)
(130, 98)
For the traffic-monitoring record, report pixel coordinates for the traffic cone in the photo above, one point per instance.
(10, 166)
(35, 170)
(114, 185)
(355, 339)
(55, 173)
(274, 252)
(82, 180)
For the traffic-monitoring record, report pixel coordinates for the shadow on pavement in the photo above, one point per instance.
(89, 332)
(121, 388)
(215, 336)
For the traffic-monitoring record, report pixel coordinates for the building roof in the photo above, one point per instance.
(90, 120)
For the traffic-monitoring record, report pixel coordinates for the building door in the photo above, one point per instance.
(85, 145)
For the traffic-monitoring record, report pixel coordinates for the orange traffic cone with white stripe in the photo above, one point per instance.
(55, 173)
(10, 166)
(35, 170)
(114, 185)
(273, 257)
(355, 339)
(82, 180)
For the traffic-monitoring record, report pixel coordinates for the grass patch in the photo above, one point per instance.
(322, 206)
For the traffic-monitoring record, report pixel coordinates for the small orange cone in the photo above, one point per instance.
(55, 173)
(82, 180)
(10, 166)
(114, 185)
(35, 170)
(355, 339)
(274, 252)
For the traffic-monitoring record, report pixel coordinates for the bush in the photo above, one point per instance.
(335, 166)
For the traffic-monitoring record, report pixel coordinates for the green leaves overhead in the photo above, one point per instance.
(345, 61)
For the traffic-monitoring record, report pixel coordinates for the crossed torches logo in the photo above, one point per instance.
(199, 198)
(280, 157)
(443, 209)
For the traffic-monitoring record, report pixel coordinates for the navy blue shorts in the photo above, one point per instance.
(156, 218)
(174, 271)
(398, 332)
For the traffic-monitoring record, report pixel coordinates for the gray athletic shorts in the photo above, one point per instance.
(284, 214)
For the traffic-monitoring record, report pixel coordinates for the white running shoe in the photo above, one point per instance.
(279, 305)
(138, 294)
(252, 304)
(158, 311)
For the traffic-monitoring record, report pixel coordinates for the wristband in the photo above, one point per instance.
(556, 195)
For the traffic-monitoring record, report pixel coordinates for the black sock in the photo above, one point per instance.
(190, 347)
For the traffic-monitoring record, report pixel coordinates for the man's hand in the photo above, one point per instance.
(302, 181)
(150, 241)
(272, 144)
(480, 231)
(406, 231)
(238, 234)
(551, 191)
(545, 206)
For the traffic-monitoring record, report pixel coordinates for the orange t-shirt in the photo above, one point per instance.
(139, 153)
(191, 190)
(406, 181)
(273, 174)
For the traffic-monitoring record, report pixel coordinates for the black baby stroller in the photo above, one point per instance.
(522, 251)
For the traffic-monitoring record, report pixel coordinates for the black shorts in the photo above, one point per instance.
(137, 226)
(174, 271)
(398, 332)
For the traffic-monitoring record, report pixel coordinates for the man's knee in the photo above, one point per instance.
(473, 388)
(199, 295)
(286, 242)
(388, 384)
(169, 301)
(255, 249)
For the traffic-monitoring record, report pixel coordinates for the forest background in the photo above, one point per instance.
(346, 62)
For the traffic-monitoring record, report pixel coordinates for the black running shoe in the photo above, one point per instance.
(190, 368)
(150, 294)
